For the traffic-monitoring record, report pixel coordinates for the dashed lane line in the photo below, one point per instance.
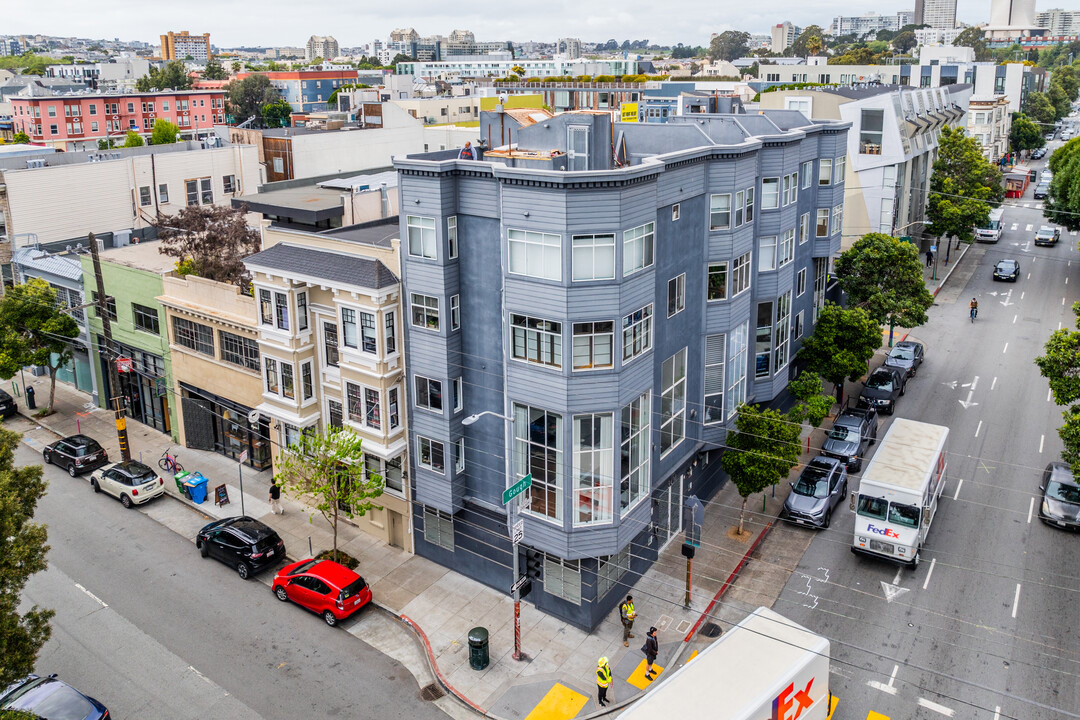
(1016, 600)
(926, 582)
(978, 429)
(1031, 508)
(993, 383)
(92, 596)
(929, 705)
(1042, 439)
(959, 484)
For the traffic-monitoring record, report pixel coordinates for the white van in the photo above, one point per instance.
(990, 231)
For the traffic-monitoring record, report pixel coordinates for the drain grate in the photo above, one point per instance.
(431, 692)
(711, 630)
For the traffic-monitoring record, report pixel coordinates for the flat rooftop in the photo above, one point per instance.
(377, 233)
(310, 203)
(12, 159)
(145, 255)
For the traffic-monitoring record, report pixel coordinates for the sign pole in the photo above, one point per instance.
(517, 589)
(240, 469)
(689, 573)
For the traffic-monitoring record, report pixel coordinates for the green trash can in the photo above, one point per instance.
(478, 648)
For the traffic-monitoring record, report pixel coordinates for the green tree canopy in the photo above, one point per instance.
(330, 468)
(214, 70)
(33, 331)
(1066, 77)
(400, 58)
(1025, 135)
(1039, 109)
(1063, 203)
(973, 37)
(133, 139)
(762, 449)
(840, 348)
(729, 45)
(21, 138)
(814, 405)
(962, 187)
(808, 42)
(1060, 365)
(277, 113)
(212, 238)
(883, 275)
(248, 95)
(905, 41)
(22, 554)
(164, 132)
(173, 76)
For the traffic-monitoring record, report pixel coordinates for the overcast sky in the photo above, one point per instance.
(287, 22)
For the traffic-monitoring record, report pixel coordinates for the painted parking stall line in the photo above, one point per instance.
(930, 705)
(1031, 509)
(926, 582)
(959, 484)
(1016, 600)
(889, 688)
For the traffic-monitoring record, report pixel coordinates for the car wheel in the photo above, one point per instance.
(892, 407)
(281, 594)
(330, 618)
(828, 519)
(243, 570)
(71, 470)
(126, 502)
(46, 456)
(903, 388)
(915, 562)
(93, 484)
(204, 548)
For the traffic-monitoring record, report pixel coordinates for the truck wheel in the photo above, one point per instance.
(915, 562)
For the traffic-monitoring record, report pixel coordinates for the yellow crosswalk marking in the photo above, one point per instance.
(638, 679)
(560, 703)
(833, 702)
(876, 716)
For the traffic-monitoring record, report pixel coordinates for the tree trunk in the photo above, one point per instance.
(336, 511)
(742, 513)
(52, 386)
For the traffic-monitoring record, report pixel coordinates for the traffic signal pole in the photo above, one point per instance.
(116, 401)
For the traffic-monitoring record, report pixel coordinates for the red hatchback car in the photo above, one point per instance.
(324, 587)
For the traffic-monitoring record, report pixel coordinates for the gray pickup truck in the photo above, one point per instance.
(851, 436)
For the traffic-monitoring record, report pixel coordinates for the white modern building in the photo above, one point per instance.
(493, 66)
(1059, 22)
(783, 36)
(321, 46)
(869, 23)
(935, 13)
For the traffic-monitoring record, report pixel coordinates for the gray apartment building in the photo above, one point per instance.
(604, 295)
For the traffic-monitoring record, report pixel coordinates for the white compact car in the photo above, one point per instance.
(131, 481)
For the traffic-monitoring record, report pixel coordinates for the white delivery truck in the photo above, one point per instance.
(899, 490)
(765, 668)
(990, 231)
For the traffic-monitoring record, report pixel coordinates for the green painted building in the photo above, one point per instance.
(132, 276)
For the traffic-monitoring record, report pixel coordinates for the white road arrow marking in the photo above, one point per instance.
(892, 591)
(882, 686)
(951, 385)
(1008, 299)
(971, 391)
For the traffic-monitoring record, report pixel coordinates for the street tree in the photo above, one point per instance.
(21, 138)
(973, 37)
(330, 469)
(277, 113)
(882, 275)
(22, 553)
(963, 186)
(214, 70)
(34, 331)
(808, 42)
(729, 45)
(209, 240)
(164, 132)
(814, 405)
(1025, 135)
(1060, 365)
(401, 57)
(840, 348)
(248, 95)
(236, 66)
(762, 449)
(1059, 99)
(1038, 108)
(133, 139)
(1066, 77)
(905, 41)
(1063, 203)
(174, 76)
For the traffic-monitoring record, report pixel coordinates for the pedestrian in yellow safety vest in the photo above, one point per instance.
(627, 615)
(603, 681)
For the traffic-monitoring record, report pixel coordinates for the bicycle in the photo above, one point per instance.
(169, 463)
(974, 313)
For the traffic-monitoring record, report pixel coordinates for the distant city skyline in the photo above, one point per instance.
(280, 23)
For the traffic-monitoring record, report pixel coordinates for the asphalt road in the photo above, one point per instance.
(152, 630)
(988, 626)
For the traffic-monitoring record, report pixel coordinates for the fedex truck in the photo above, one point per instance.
(899, 491)
(765, 668)
(990, 231)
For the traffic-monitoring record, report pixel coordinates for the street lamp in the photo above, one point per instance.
(515, 504)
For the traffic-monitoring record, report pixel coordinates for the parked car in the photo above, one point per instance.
(820, 487)
(1041, 191)
(854, 431)
(1007, 270)
(130, 481)
(1061, 497)
(77, 453)
(241, 542)
(1047, 235)
(325, 587)
(907, 356)
(882, 389)
(47, 697)
(7, 404)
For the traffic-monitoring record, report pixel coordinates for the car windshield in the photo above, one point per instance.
(902, 354)
(353, 589)
(880, 381)
(814, 482)
(1005, 266)
(1065, 492)
(907, 515)
(872, 507)
(839, 432)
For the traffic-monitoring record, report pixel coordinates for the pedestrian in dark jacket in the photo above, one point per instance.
(929, 257)
(651, 648)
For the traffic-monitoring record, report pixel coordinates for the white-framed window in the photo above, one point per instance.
(439, 528)
(839, 167)
(301, 311)
(457, 386)
(535, 254)
(638, 248)
(145, 196)
(425, 311)
(593, 257)
(389, 331)
(770, 193)
(766, 253)
(720, 211)
(610, 569)
(536, 340)
(270, 375)
(451, 237)
(421, 237)
(790, 188)
(372, 408)
(393, 412)
(821, 272)
(354, 402)
(782, 332)
(824, 171)
(562, 578)
(307, 383)
(593, 345)
(163, 193)
(800, 283)
(676, 295)
(837, 218)
(787, 248)
(807, 171)
(736, 367)
(635, 451)
(350, 331)
(822, 229)
(717, 284)
(675, 212)
(797, 326)
(428, 393)
(281, 311)
(763, 340)
(637, 333)
(430, 454)
(804, 228)
(749, 216)
(673, 401)
(740, 208)
(455, 312)
(538, 450)
(713, 407)
(594, 468)
(740, 275)
(330, 344)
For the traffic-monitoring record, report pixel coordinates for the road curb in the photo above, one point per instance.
(956, 264)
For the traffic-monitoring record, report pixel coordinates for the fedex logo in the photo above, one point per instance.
(791, 699)
(883, 531)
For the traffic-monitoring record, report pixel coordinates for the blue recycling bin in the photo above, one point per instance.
(196, 487)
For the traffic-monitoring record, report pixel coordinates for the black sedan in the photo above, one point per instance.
(1007, 270)
(76, 453)
(1061, 497)
(907, 356)
(882, 388)
(243, 543)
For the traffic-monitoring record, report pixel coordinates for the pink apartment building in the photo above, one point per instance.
(77, 122)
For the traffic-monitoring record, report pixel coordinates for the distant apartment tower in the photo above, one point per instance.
(1012, 13)
(936, 13)
(405, 35)
(870, 23)
(783, 35)
(181, 45)
(462, 36)
(321, 46)
(568, 47)
(1059, 22)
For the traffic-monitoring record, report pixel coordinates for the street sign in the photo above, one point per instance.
(243, 457)
(519, 531)
(123, 364)
(517, 488)
(518, 583)
(693, 519)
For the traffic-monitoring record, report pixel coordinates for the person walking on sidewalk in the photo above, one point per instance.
(275, 499)
(603, 681)
(651, 648)
(627, 615)
(929, 257)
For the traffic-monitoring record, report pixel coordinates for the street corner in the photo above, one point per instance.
(543, 700)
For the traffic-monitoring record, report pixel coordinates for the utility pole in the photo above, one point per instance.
(116, 401)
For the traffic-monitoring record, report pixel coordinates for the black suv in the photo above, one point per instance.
(7, 404)
(851, 436)
(882, 388)
(77, 453)
(241, 542)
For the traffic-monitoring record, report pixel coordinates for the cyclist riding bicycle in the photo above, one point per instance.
(974, 305)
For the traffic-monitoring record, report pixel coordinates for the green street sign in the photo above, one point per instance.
(517, 488)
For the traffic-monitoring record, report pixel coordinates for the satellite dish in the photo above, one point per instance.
(254, 417)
